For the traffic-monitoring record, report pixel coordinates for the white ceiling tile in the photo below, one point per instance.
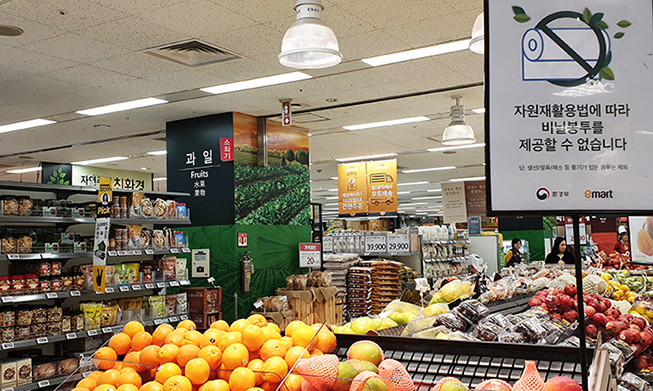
(248, 41)
(43, 86)
(263, 11)
(134, 7)
(32, 62)
(188, 78)
(466, 5)
(32, 31)
(432, 31)
(383, 13)
(90, 76)
(134, 33)
(69, 15)
(356, 47)
(76, 48)
(140, 88)
(345, 23)
(139, 65)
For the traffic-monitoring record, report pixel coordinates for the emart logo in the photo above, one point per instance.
(600, 194)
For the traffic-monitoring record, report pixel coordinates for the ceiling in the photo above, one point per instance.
(78, 54)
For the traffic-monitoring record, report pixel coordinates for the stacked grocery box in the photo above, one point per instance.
(385, 284)
(337, 265)
(359, 289)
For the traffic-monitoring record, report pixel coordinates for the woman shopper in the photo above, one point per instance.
(513, 256)
(560, 252)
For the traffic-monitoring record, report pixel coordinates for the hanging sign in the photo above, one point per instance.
(454, 209)
(475, 200)
(286, 113)
(226, 150)
(310, 255)
(102, 226)
(382, 188)
(568, 94)
(352, 190)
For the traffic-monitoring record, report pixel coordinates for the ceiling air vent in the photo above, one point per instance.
(192, 53)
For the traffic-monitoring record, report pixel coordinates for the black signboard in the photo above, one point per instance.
(56, 173)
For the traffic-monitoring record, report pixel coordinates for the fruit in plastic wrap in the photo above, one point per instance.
(494, 385)
(497, 319)
(451, 321)
(346, 373)
(511, 337)
(401, 307)
(418, 324)
(450, 384)
(562, 383)
(531, 329)
(488, 332)
(363, 325)
(473, 310)
(455, 290)
(435, 309)
(401, 317)
(432, 333)
(395, 376)
(387, 323)
(632, 382)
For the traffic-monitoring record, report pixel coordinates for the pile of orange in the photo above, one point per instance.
(248, 355)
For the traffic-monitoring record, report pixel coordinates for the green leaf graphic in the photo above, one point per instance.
(63, 174)
(60, 169)
(66, 183)
(53, 178)
(587, 16)
(518, 10)
(623, 24)
(522, 18)
(601, 25)
(608, 59)
(606, 73)
(596, 17)
(61, 181)
(618, 35)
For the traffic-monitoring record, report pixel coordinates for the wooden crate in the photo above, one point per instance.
(301, 304)
(281, 319)
(204, 300)
(203, 321)
(339, 312)
(324, 306)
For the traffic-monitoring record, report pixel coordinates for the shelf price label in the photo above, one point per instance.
(161, 284)
(107, 330)
(376, 244)
(109, 290)
(183, 317)
(8, 299)
(75, 293)
(149, 286)
(136, 287)
(398, 243)
(8, 345)
(42, 340)
(310, 255)
(92, 333)
(113, 254)
(149, 252)
(44, 383)
(138, 252)
(52, 295)
(174, 250)
(184, 282)
(158, 321)
(174, 283)
(13, 256)
(71, 336)
(185, 250)
(173, 319)
(124, 288)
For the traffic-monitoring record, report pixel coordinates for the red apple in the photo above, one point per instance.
(590, 312)
(591, 331)
(641, 363)
(596, 305)
(622, 325)
(613, 312)
(535, 302)
(552, 302)
(628, 316)
(607, 302)
(600, 319)
(570, 290)
(634, 335)
(566, 303)
(542, 294)
(570, 316)
(646, 338)
(634, 327)
(603, 307)
(613, 327)
(639, 321)
(562, 383)
(626, 337)
(556, 316)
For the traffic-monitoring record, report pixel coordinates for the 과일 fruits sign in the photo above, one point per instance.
(568, 94)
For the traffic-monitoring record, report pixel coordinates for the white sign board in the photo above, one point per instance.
(569, 91)
(569, 231)
(639, 233)
(454, 207)
(375, 244)
(399, 243)
(310, 255)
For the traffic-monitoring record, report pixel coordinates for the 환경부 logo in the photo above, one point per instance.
(543, 194)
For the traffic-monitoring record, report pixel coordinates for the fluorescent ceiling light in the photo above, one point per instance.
(433, 190)
(159, 179)
(331, 198)
(332, 189)
(256, 83)
(387, 123)
(475, 178)
(157, 153)
(310, 135)
(335, 204)
(480, 110)
(413, 204)
(429, 169)
(330, 213)
(334, 178)
(24, 170)
(442, 149)
(25, 125)
(412, 183)
(134, 104)
(98, 161)
(403, 192)
(426, 198)
(421, 214)
(351, 159)
(414, 54)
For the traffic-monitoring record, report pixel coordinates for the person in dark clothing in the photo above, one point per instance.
(560, 252)
(622, 246)
(513, 256)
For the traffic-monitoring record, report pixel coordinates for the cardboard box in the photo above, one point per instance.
(24, 371)
(8, 372)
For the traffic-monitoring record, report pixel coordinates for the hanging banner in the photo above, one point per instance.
(352, 190)
(569, 231)
(69, 175)
(102, 226)
(454, 209)
(382, 188)
(475, 199)
(640, 230)
(286, 112)
(568, 90)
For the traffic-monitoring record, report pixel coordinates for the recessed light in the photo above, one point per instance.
(98, 161)
(468, 146)
(331, 100)
(330, 198)
(426, 198)
(480, 110)
(116, 107)
(10, 31)
(25, 125)
(256, 83)
(403, 192)
(412, 183)
(370, 157)
(310, 135)
(144, 168)
(24, 170)
(433, 190)
(414, 54)
(159, 179)
(429, 169)
(393, 122)
(474, 178)
(157, 153)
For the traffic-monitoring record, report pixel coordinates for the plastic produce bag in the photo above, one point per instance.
(472, 310)
(400, 306)
(419, 323)
(432, 333)
(435, 309)
(531, 329)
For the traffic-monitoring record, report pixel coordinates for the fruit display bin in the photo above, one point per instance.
(429, 361)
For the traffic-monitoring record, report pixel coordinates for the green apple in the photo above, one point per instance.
(362, 325)
(346, 372)
(375, 384)
(399, 317)
(451, 386)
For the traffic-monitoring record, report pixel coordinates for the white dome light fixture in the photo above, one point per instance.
(477, 44)
(309, 43)
(458, 132)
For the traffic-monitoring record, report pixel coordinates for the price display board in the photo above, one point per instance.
(310, 255)
(398, 243)
(376, 244)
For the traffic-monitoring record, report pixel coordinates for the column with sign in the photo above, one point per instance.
(352, 190)
(382, 188)
(454, 207)
(102, 226)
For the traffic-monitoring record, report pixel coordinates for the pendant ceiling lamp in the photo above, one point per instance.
(458, 132)
(309, 43)
(477, 44)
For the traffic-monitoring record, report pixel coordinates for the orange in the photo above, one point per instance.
(235, 355)
(132, 328)
(168, 353)
(292, 383)
(316, 352)
(152, 386)
(109, 377)
(150, 356)
(229, 338)
(160, 334)
(295, 353)
(127, 387)
(239, 325)
(197, 371)
(272, 348)
(327, 341)
(120, 343)
(95, 375)
(286, 341)
(104, 354)
(127, 369)
(212, 355)
(220, 325)
(269, 386)
(186, 353)
(210, 337)
(88, 383)
(118, 365)
(303, 335)
(176, 337)
(255, 389)
(254, 355)
(192, 338)
(241, 379)
(141, 340)
(187, 324)
(166, 371)
(270, 333)
(80, 389)
(253, 338)
(257, 366)
(129, 377)
(105, 387)
(215, 385)
(133, 360)
(177, 383)
(292, 326)
(275, 327)
(275, 369)
(257, 320)
(224, 373)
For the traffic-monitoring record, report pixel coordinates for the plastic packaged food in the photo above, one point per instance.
(66, 324)
(24, 316)
(171, 304)
(109, 314)
(146, 239)
(169, 266)
(472, 310)
(134, 235)
(67, 282)
(159, 305)
(131, 272)
(54, 314)
(40, 315)
(92, 315)
(45, 285)
(17, 285)
(76, 321)
(44, 269)
(497, 319)
(297, 282)
(5, 285)
(24, 244)
(451, 321)
(7, 334)
(160, 208)
(7, 318)
(148, 274)
(488, 332)
(511, 337)
(56, 268)
(158, 239)
(22, 333)
(9, 206)
(135, 200)
(171, 212)
(531, 329)
(110, 273)
(180, 241)
(632, 382)
(275, 303)
(56, 284)
(8, 245)
(182, 303)
(182, 211)
(147, 208)
(24, 206)
(32, 284)
(78, 281)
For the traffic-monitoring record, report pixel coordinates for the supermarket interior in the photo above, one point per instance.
(314, 195)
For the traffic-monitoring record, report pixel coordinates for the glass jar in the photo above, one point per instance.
(17, 285)
(5, 286)
(32, 284)
(24, 316)
(66, 282)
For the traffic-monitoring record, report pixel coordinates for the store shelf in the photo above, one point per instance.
(55, 381)
(83, 334)
(80, 189)
(151, 221)
(425, 241)
(89, 255)
(44, 219)
(386, 255)
(451, 259)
